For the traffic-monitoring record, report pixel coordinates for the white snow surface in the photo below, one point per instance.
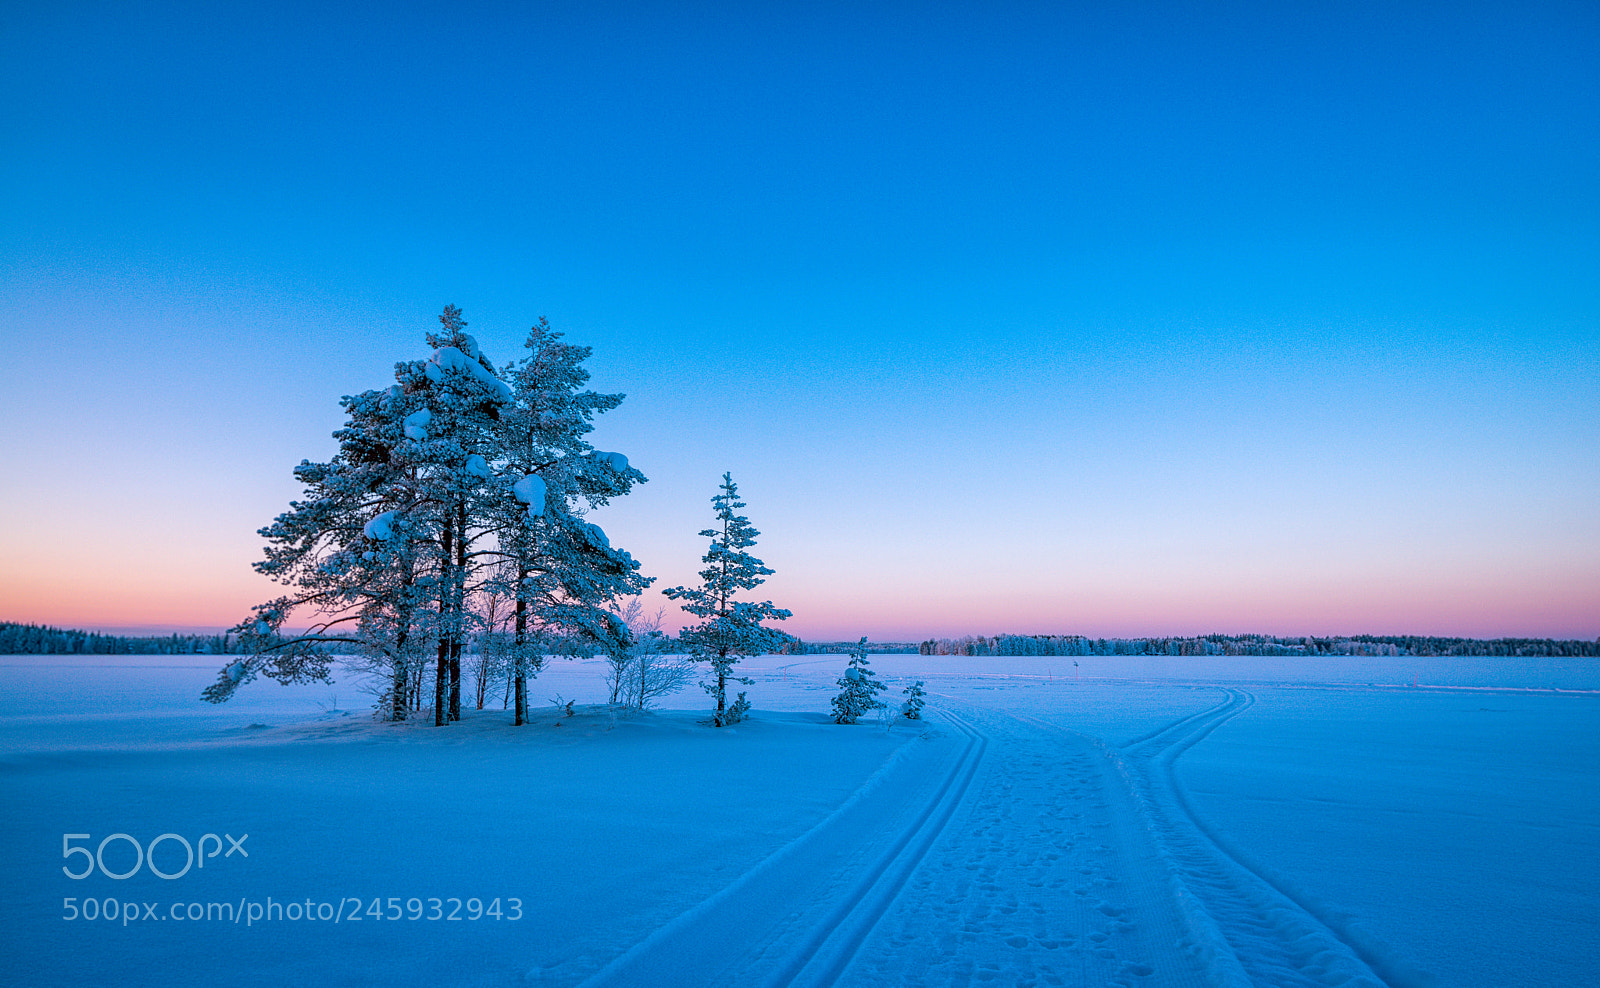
(1241, 821)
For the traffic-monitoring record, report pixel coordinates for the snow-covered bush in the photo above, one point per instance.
(859, 688)
(644, 671)
(654, 674)
(912, 708)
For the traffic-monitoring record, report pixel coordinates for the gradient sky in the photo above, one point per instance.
(1114, 319)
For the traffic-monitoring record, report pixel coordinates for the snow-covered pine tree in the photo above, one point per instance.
(858, 688)
(729, 629)
(912, 708)
(566, 570)
(437, 479)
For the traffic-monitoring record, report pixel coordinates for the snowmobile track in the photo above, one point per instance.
(1274, 937)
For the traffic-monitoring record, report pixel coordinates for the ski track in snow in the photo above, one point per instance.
(802, 914)
(1010, 851)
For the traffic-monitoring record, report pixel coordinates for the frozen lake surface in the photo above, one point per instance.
(1220, 821)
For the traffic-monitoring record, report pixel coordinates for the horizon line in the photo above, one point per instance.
(158, 630)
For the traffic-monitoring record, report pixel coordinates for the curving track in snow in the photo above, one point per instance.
(1260, 935)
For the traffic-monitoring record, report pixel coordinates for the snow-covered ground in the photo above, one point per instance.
(1131, 821)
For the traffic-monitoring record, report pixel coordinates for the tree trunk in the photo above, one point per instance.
(455, 681)
(458, 605)
(722, 683)
(519, 653)
(400, 681)
(616, 679)
(441, 671)
(447, 617)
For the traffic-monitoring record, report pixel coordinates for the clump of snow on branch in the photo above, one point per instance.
(416, 424)
(380, 527)
(448, 358)
(530, 490)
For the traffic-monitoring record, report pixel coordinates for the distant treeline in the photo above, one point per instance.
(844, 648)
(34, 639)
(1420, 645)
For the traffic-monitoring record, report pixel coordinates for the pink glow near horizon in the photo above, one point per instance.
(163, 600)
(184, 561)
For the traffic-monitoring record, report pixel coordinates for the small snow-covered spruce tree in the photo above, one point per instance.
(729, 629)
(859, 688)
(912, 708)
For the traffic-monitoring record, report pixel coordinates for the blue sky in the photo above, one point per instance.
(1125, 319)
